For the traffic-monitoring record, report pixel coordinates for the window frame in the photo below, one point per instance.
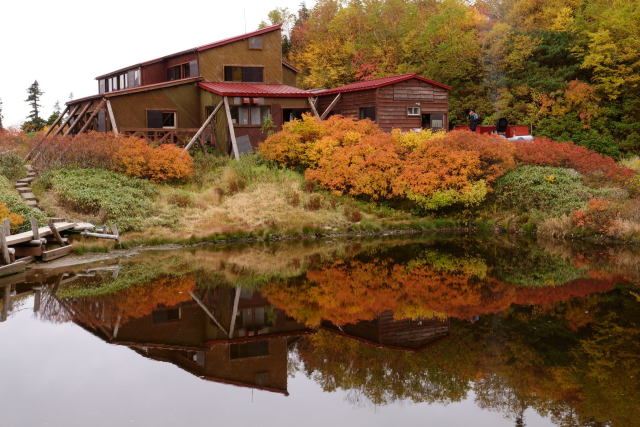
(362, 113)
(415, 107)
(163, 111)
(250, 111)
(258, 38)
(242, 73)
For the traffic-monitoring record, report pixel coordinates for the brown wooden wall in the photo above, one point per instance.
(130, 110)
(212, 61)
(157, 72)
(289, 77)
(391, 103)
(350, 102)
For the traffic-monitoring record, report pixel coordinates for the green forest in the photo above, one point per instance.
(570, 69)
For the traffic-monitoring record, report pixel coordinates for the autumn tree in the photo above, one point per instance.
(54, 114)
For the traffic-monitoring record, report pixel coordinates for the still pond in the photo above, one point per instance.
(434, 331)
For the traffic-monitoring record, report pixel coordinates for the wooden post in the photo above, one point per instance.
(330, 107)
(234, 313)
(4, 250)
(7, 226)
(37, 298)
(112, 118)
(234, 144)
(76, 121)
(64, 123)
(313, 107)
(6, 303)
(204, 125)
(95, 112)
(35, 229)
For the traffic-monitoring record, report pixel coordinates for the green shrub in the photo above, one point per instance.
(12, 166)
(552, 191)
(110, 196)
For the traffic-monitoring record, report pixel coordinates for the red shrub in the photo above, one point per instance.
(495, 153)
(546, 152)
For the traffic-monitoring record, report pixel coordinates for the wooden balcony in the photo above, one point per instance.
(179, 136)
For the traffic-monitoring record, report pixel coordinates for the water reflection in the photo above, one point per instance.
(556, 329)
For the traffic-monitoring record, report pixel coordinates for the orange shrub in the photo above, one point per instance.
(365, 169)
(546, 152)
(15, 220)
(129, 155)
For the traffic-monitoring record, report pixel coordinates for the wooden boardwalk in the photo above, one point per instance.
(27, 236)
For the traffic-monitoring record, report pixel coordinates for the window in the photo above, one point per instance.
(243, 74)
(368, 113)
(101, 86)
(158, 119)
(255, 42)
(163, 316)
(413, 111)
(433, 121)
(183, 71)
(250, 349)
(254, 115)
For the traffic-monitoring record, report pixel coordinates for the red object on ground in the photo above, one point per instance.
(516, 130)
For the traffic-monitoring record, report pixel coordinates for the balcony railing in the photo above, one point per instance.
(179, 136)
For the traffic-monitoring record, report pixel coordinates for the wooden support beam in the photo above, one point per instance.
(92, 116)
(232, 131)
(77, 120)
(13, 268)
(330, 107)
(207, 312)
(234, 313)
(204, 125)
(313, 107)
(56, 253)
(112, 118)
(64, 123)
(56, 234)
(56, 122)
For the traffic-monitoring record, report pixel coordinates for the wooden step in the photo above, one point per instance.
(22, 184)
(31, 203)
(28, 196)
(24, 181)
(16, 267)
(56, 253)
(23, 189)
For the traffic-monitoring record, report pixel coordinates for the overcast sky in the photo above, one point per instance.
(65, 44)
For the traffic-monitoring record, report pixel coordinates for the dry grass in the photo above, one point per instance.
(557, 227)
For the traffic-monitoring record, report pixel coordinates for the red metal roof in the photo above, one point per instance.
(198, 49)
(254, 90)
(143, 88)
(375, 83)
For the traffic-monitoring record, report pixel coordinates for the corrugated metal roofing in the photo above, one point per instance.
(254, 90)
(376, 83)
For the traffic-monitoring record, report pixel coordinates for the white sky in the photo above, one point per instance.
(65, 44)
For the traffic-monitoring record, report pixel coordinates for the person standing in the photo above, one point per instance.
(473, 120)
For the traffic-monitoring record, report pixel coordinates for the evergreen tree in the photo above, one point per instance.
(34, 122)
(55, 114)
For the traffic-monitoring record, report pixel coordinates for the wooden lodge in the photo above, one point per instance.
(404, 102)
(242, 80)
(231, 92)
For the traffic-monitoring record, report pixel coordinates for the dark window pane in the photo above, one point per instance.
(368, 113)
(437, 121)
(250, 349)
(234, 115)
(173, 73)
(161, 316)
(168, 119)
(252, 74)
(154, 119)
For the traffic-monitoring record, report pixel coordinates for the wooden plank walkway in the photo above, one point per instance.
(27, 236)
